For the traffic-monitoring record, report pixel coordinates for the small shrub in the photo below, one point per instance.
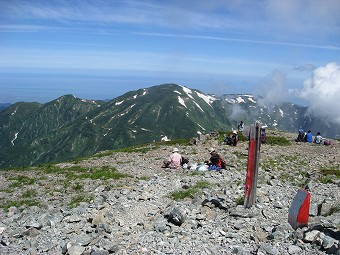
(77, 187)
(334, 209)
(202, 184)
(326, 179)
(275, 140)
(190, 192)
(21, 180)
(181, 194)
(78, 199)
(144, 178)
(180, 141)
(196, 173)
(333, 170)
(19, 203)
(240, 155)
(103, 173)
(240, 200)
(29, 193)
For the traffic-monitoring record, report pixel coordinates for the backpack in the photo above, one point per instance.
(184, 161)
(327, 142)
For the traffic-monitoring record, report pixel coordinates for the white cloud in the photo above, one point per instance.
(322, 92)
(273, 89)
(237, 113)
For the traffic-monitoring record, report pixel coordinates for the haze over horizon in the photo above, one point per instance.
(283, 50)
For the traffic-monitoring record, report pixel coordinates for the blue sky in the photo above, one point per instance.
(102, 49)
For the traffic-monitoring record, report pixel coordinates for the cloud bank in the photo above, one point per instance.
(322, 92)
(273, 89)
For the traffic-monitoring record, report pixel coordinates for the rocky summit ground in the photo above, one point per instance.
(126, 203)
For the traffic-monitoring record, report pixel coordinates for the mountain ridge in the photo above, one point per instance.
(69, 127)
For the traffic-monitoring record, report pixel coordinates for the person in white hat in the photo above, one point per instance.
(216, 161)
(234, 138)
(175, 160)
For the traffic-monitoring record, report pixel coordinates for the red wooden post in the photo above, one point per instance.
(253, 165)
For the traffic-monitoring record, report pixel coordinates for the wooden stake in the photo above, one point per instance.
(253, 165)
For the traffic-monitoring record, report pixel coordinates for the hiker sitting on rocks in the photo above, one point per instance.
(216, 162)
(174, 161)
(309, 137)
(301, 136)
(318, 138)
(234, 138)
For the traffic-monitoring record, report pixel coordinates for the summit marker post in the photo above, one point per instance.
(253, 165)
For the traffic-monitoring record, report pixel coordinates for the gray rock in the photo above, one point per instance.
(327, 242)
(176, 216)
(294, 249)
(311, 236)
(117, 221)
(76, 250)
(268, 249)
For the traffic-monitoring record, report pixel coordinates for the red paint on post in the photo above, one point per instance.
(250, 169)
(303, 215)
(253, 163)
(298, 213)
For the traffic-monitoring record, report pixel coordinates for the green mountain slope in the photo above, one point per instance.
(70, 127)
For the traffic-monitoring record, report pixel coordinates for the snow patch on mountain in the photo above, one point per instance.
(198, 106)
(231, 101)
(188, 92)
(118, 103)
(240, 100)
(181, 101)
(251, 99)
(165, 138)
(15, 111)
(126, 111)
(206, 98)
(201, 126)
(281, 112)
(15, 137)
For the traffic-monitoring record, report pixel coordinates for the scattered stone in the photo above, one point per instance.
(137, 215)
(176, 216)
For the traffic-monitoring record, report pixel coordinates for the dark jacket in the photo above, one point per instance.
(216, 160)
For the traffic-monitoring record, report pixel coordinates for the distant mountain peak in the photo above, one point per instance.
(69, 127)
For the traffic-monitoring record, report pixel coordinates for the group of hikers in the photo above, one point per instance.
(308, 137)
(233, 138)
(215, 162)
(176, 161)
